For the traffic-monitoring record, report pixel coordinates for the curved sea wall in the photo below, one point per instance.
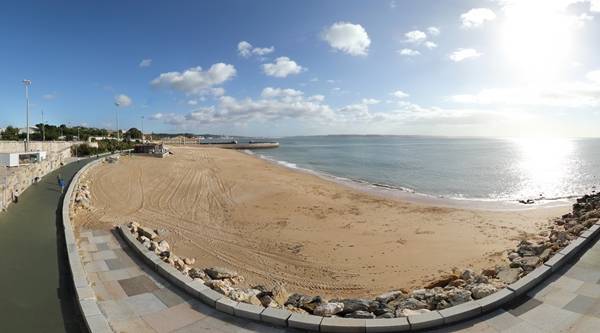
(84, 294)
(456, 297)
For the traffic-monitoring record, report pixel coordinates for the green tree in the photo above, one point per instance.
(133, 133)
(10, 133)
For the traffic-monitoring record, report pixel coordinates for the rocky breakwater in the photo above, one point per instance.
(454, 288)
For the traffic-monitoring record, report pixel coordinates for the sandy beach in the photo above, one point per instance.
(272, 224)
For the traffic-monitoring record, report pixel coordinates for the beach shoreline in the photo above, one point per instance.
(411, 196)
(279, 226)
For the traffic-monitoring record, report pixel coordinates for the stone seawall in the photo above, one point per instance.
(17, 179)
(19, 146)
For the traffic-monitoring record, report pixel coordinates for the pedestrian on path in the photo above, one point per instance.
(61, 183)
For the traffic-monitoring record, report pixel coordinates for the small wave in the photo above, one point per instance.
(387, 187)
(288, 164)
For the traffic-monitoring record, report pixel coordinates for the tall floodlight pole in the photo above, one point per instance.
(43, 128)
(142, 129)
(27, 83)
(117, 117)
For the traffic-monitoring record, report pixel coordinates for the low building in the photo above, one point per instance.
(154, 149)
(22, 158)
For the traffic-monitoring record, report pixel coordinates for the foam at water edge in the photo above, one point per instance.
(391, 189)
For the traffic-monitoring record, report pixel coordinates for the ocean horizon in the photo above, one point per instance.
(458, 168)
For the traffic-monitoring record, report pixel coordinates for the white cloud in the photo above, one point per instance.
(246, 50)
(409, 52)
(197, 81)
(433, 31)
(49, 97)
(594, 76)
(463, 54)
(282, 67)
(415, 36)
(476, 17)
(370, 101)
(595, 6)
(348, 38)
(393, 4)
(278, 104)
(430, 45)
(274, 104)
(270, 92)
(123, 101)
(192, 102)
(565, 94)
(145, 63)
(399, 94)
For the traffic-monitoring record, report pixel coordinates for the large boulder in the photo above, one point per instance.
(308, 303)
(360, 315)
(389, 296)
(481, 290)
(442, 282)
(353, 305)
(468, 275)
(457, 296)
(530, 248)
(528, 263)
(195, 273)
(222, 286)
(412, 303)
(163, 246)
(267, 300)
(545, 254)
(328, 309)
(147, 232)
(509, 275)
(280, 295)
(220, 273)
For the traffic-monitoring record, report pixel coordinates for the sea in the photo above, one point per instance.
(466, 169)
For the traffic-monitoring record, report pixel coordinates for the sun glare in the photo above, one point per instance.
(546, 164)
(537, 37)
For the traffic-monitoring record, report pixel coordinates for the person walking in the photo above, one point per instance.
(61, 183)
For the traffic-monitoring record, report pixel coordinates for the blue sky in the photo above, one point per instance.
(275, 68)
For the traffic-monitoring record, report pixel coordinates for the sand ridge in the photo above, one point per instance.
(276, 225)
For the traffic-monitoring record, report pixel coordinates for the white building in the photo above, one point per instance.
(31, 130)
(23, 158)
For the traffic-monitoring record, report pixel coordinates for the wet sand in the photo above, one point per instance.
(273, 224)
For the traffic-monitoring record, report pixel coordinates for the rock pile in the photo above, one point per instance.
(83, 196)
(452, 289)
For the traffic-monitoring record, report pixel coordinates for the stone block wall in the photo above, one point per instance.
(19, 146)
(18, 179)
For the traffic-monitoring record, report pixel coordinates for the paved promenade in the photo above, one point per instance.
(36, 293)
(135, 299)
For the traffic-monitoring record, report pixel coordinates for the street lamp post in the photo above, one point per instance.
(117, 117)
(43, 128)
(142, 129)
(27, 83)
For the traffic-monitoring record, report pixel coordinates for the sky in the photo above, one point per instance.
(282, 68)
